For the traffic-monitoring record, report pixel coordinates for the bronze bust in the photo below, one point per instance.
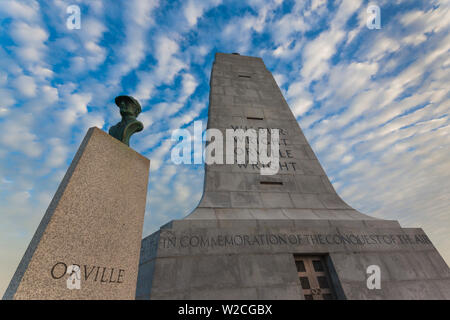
(129, 110)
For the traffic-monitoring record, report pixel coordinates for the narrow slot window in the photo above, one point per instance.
(273, 183)
(255, 118)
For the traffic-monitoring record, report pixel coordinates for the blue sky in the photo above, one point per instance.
(374, 104)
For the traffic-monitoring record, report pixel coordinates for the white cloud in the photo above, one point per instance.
(25, 85)
(168, 65)
(145, 142)
(187, 117)
(25, 34)
(194, 10)
(58, 154)
(138, 21)
(384, 45)
(300, 105)
(20, 197)
(30, 40)
(189, 84)
(76, 106)
(19, 137)
(167, 68)
(280, 79)
(93, 119)
(182, 191)
(433, 20)
(146, 118)
(247, 24)
(158, 156)
(41, 72)
(20, 10)
(318, 52)
(49, 95)
(96, 54)
(288, 24)
(7, 99)
(300, 99)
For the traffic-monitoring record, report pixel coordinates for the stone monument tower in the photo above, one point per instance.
(283, 236)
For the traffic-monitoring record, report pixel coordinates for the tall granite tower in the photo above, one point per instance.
(284, 236)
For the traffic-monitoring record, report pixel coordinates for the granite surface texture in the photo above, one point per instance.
(95, 221)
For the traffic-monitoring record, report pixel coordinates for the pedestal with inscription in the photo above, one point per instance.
(87, 244)
(284, 236)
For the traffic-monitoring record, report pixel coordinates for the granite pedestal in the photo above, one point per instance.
(93, 224)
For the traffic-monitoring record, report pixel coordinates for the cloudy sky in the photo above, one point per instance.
(374, 104)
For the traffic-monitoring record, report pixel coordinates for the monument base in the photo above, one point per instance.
(290, 259)
(87, 244)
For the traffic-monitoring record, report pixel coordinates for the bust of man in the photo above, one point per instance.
(129, 110)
